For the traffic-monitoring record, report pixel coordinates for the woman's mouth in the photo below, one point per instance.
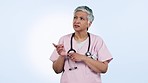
(76, 26)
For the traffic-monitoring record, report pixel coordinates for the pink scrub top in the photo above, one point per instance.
(83, 74)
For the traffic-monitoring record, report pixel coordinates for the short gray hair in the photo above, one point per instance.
(87, 10)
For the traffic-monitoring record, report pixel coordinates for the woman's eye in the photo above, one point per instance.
(75, 17)
(81, 18)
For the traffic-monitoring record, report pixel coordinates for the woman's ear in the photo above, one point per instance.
(89, 24)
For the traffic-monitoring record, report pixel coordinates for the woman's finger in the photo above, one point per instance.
(54, 45)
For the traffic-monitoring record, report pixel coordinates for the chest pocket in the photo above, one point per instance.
(94, 52)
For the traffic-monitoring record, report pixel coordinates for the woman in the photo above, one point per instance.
(81, 56)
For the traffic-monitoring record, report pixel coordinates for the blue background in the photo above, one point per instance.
(29, 27)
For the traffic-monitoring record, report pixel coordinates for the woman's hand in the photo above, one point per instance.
(76, 57)
(60, 49)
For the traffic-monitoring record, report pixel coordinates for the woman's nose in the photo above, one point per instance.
(77, 21)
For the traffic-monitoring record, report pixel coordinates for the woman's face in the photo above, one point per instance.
(80, 21)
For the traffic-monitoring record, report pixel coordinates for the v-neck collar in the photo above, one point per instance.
(84, 48)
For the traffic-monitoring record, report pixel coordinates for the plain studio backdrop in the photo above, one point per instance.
(29, 27)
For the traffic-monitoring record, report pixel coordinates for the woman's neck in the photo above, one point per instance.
(80, 36)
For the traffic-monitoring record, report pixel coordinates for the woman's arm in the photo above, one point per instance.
(95, 65)
(58, 65)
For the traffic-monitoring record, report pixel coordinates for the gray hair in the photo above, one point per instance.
(87, 10)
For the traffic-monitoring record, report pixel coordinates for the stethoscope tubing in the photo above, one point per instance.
(71, 44)
(71, 50)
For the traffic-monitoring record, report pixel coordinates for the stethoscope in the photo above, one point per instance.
(71, 50)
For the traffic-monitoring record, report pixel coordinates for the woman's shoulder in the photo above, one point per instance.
(66, 37)
(96, 37)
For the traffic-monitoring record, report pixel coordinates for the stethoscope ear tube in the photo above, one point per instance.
(71, 45)
(72, 68)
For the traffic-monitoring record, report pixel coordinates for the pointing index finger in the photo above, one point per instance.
(54, 45)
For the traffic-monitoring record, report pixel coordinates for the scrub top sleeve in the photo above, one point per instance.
(54, 56)
(104, 54)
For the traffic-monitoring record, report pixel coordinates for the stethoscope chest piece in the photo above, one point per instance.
(88, 54)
